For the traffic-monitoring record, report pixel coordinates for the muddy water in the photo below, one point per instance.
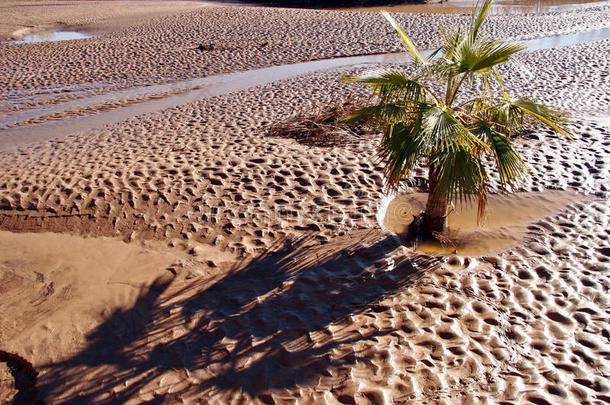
(504, 226)
(499, 7)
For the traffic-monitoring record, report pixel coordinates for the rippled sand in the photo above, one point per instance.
(256, 270)
(23, 17)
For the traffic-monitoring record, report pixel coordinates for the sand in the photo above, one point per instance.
(502, 7)
(256, 270)
(164, 49)
(24, 17)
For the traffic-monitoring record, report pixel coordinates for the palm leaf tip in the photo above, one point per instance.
(406, 40)
(555, 119)
(348, 79)
(511, 169)
(480, 57)
(356, 116)
(380, 112)
(478, 17)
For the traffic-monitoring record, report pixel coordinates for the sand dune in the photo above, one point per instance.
(257, 271)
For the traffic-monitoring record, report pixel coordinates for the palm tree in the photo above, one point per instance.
(426, 121)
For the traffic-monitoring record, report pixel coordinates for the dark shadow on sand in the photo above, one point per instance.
(248, 332)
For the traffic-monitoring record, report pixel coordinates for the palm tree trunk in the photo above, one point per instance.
(435, 216)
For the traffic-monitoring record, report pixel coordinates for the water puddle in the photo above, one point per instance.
(208, 87)
(51, 36)
(499, 7)
(557, 41)
(505, 225)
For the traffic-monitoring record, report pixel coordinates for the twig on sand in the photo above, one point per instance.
(324, 127)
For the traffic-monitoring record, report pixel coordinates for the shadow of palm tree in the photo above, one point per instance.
(271, 323)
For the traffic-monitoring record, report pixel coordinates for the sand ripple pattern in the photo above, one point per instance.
(164, 49)
(360, 319)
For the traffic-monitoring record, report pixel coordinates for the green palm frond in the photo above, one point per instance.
(555, 119)
(442, 131)
(478, 17)
(450, 41)
(510, 116)
(511, 168)
(461, 175)
(481, 56)
(406, 40)
(400, 149)
(480, 109)
(378, 113)
(392, 87)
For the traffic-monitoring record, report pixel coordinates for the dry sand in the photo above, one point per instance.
(257, 271)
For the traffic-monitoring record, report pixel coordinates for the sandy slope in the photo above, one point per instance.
(277, 283)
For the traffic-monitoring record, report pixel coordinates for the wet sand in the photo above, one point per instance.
(20, 18)
(499, 7)
(504, 224)
(256, 270)
(165, 49)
